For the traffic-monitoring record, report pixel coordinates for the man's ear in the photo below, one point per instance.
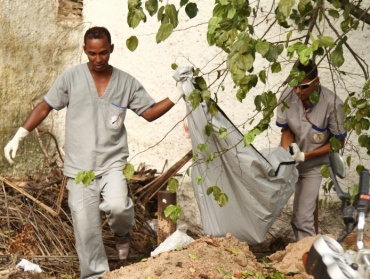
(111, 48)
(84, 48)
(317, 81)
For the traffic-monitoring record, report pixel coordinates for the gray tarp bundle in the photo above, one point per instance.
(258, 184)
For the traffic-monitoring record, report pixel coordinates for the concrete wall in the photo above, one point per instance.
(38, 41)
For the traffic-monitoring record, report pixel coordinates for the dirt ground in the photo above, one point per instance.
(212, 258)
(226, 257)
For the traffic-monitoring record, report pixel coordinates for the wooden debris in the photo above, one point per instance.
(35, 222)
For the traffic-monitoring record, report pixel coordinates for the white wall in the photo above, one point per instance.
(165, 139)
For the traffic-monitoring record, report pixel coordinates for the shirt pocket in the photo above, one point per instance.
(318, 135)
(115, 117)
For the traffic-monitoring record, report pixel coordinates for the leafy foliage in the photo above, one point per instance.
(85, 177)
(233, 27)
(128, 171)
(173, 211)
(173, 185)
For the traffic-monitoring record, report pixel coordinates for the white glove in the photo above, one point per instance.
(12, 145)
(176, 97)
(297, 156)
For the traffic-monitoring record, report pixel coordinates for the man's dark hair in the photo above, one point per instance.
(97, 33)
(310, 69)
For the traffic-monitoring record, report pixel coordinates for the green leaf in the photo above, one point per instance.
(223, 272)
(244, 62)
(132, 43)
(210, 158)
(334, 13)
(85, 177)
(202, 147)
(348, 160)
(296, 76)
(151, 6)
(222, 199)
(262, 47)
(275, 67)
(262, 76)
(195, 98)
(200, 81)
(288, 37)
(249, 138)
(199, 179)
(213, 109)
(314, 97)
(195, 156)
(326, 41)
(363, 140)
(133, 4)
(187, 172)
(173, 185)
(325, 171)
(128, 171)
(165, 30)
(362, 103)
(191, 10)
(171, 12)
(337, 3)
(359, 168)
(206, 95)
(183, 2)
(335, 144)
(209, 129)
(365, 124)
(193, 256)
(135, 16)
(173, 211)
(258, 102)
(272, 54)
(160, 13)
(285, 7)
(222, 133)
(337, 57)
(233, 251)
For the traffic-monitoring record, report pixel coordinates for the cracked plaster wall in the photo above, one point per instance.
(37, 43)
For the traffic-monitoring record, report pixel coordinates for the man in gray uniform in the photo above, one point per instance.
(97, 96)
(307, 128)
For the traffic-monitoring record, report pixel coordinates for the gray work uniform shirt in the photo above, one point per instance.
(96, 138)
(312, 127)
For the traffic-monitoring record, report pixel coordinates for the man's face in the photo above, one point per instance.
(306, 87)
(98, 52)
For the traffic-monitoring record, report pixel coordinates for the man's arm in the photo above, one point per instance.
(287, 137)
(37, 115)
(325, 149)
(158, 110)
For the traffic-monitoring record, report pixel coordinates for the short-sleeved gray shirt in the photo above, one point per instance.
(314, 127)
(96, 136)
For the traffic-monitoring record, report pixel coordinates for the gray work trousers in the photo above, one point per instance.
(108, 194)
(305, 196)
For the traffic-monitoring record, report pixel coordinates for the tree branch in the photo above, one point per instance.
(355, 11)
(354, 54)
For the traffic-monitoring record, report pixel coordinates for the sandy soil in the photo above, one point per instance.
(212, 258)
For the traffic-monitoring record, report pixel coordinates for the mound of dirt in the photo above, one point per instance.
(213, 258)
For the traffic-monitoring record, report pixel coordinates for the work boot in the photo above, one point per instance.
(123, 244)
